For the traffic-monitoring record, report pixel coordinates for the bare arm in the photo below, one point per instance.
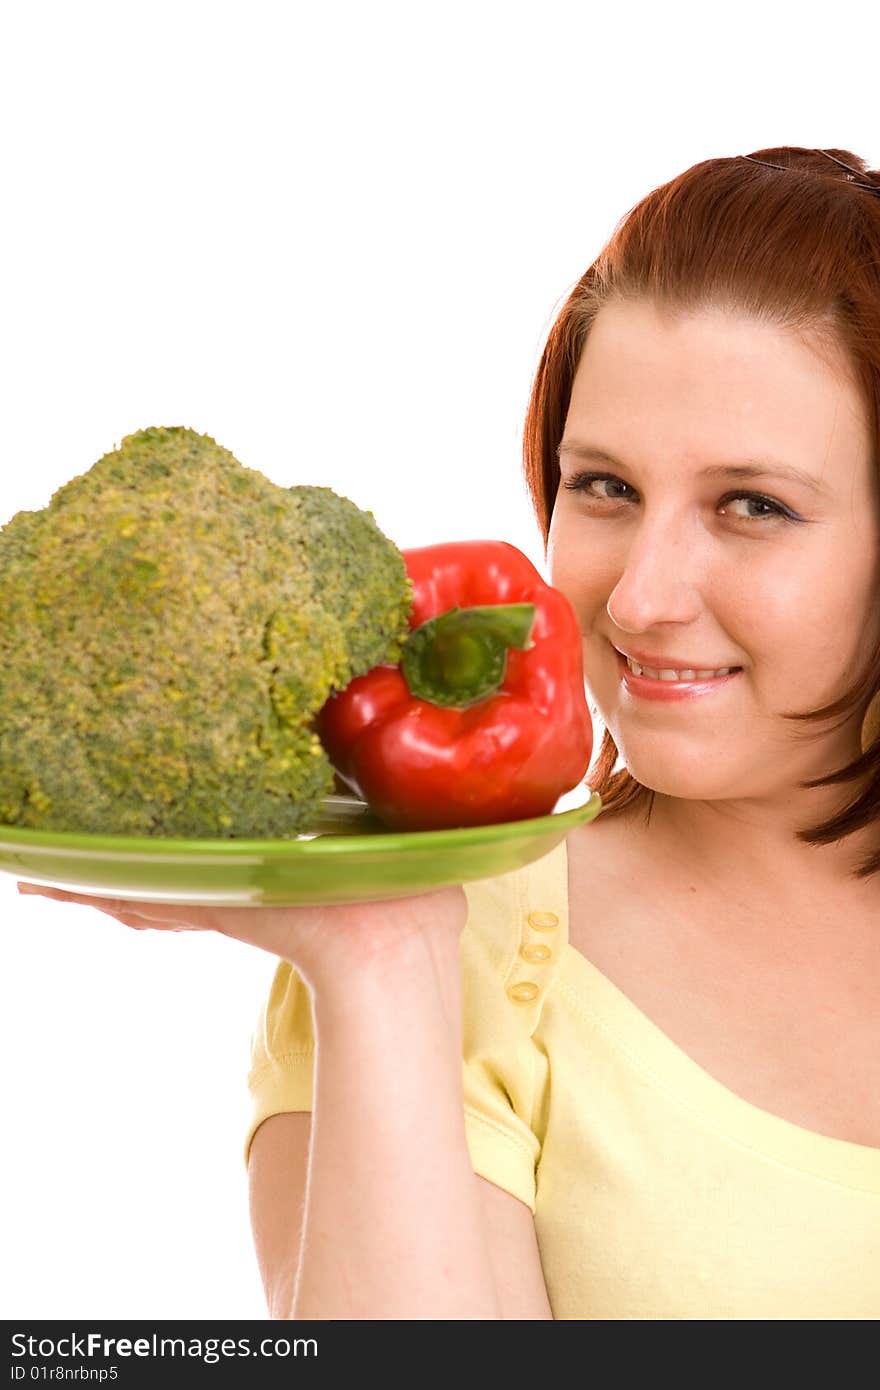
(277, 1173)
(371, 1209)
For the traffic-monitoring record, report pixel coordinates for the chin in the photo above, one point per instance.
(668, 776)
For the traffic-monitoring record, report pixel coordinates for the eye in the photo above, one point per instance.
(756, 499)
(583, 482)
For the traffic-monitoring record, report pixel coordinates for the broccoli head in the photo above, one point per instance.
(172, 623)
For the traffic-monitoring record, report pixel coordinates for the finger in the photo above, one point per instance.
(160, 916)
(87, 899)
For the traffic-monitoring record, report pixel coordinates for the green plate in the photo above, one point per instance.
(348, 857)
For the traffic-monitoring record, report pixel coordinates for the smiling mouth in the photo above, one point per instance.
(702, 674)
(672, 678)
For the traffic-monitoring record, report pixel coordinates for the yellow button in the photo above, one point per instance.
(543, 921)
(539, 952)
(523, 992)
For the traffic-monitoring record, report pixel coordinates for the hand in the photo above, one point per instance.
(315, 938)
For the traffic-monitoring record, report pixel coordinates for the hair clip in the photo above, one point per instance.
(855, 174)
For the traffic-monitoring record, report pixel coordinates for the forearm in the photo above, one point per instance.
(393, 1226)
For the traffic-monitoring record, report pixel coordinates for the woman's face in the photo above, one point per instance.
(664, 556)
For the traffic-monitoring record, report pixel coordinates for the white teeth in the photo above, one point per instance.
(667, 675)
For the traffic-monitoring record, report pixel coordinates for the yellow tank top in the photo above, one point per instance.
(657, 1193)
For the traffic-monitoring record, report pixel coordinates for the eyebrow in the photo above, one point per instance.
(751, 468)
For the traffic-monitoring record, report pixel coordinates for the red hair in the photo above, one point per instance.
(796, 247)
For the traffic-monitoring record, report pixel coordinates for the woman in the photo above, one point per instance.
(669, 1027)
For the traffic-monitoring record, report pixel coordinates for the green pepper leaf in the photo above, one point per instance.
(459, 658)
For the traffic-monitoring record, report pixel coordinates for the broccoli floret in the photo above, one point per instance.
(172, 623)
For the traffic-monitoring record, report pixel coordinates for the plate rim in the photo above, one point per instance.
(319, 842)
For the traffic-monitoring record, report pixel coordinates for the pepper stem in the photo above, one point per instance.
(459, 658)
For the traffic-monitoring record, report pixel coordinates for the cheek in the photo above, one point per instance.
(579, 570)
(817, 606)
(806, 623)
(772, 595)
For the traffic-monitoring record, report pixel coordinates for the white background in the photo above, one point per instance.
(333, 236)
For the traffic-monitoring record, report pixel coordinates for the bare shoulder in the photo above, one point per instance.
(606, 855)
(623, 899)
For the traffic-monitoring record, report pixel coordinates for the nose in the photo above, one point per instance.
(662, 576)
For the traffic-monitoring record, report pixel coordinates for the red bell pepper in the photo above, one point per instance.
(485, 718)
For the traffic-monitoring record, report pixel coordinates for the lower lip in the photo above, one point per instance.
(650, 689)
